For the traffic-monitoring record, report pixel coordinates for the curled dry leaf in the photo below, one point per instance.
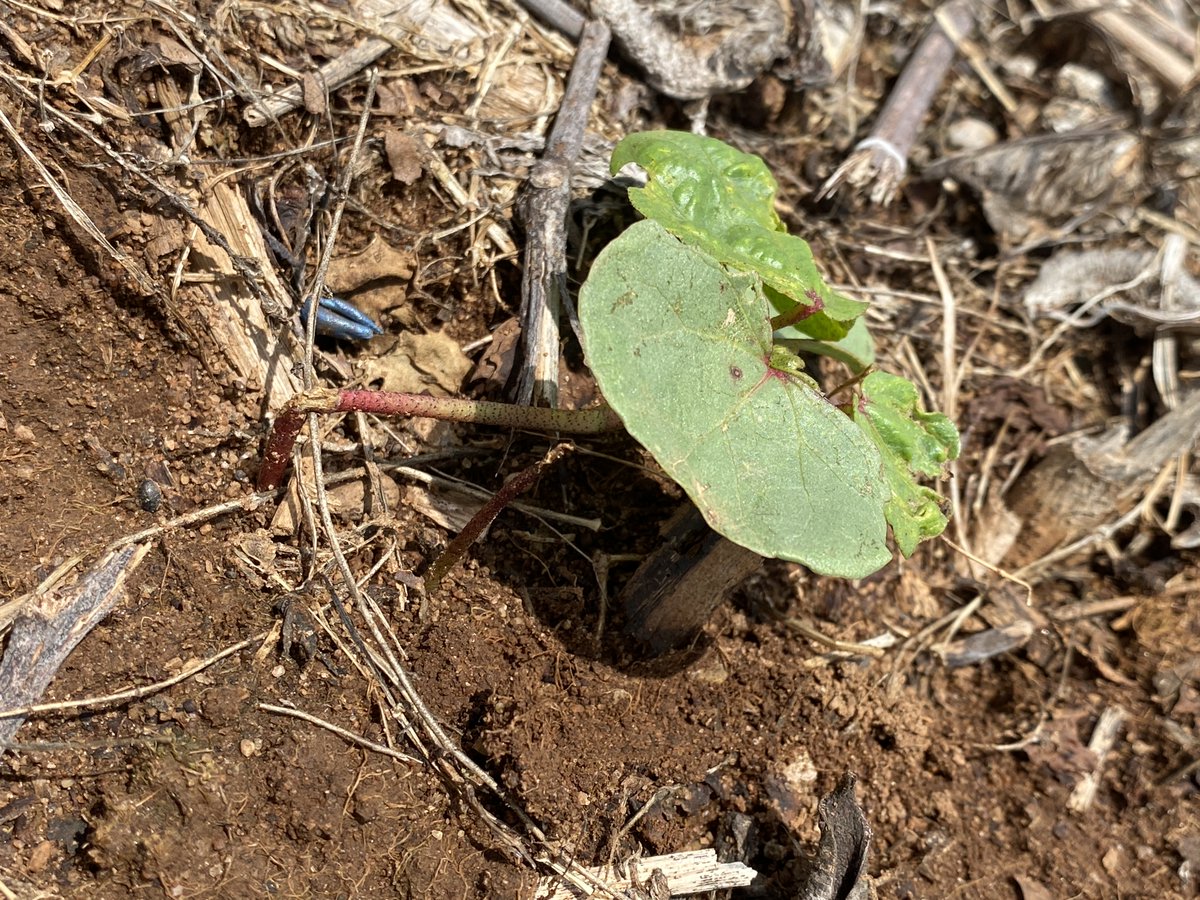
(839, 871)
(690, 51)
(379, 260)
(377, 279)
(416, 363)
(1034, 186)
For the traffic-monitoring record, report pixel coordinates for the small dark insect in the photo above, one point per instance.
(149, 495)
(735, 371)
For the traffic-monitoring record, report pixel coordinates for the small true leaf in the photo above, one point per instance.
(856, 350)
(911, 441)
(721, 200)
(682, 351)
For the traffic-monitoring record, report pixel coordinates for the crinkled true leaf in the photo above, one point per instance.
(717, 198)
(681, 348)
(911, 442)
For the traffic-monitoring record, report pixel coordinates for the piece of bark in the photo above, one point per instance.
(237, 320)
(676, 588)
(691, 872)
(46, 632)
(839, 871)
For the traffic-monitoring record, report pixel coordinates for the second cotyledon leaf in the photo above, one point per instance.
(682, 350)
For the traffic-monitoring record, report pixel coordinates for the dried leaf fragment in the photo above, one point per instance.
(1035, 185)
(404, 153)
(839, 871)
(692, 51)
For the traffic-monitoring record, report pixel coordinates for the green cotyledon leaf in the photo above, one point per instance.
(911, 442)
(721, 200)
(681, 348)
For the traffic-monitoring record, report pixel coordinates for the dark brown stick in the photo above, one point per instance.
(675, 590)
(557, 15)
(512, 489)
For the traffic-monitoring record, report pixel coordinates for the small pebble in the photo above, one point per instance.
(149, 496)
(971, 134)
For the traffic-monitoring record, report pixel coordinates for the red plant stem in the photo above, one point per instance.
(799, 312)
(390, 403)
(512, 489)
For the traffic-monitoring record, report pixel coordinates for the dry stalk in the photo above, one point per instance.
(544, 280)
(880, 160)
(1103, 738)
(558, 15)
(357, 740)
(136, 693)
(849, 648)
(924, 639)
(952, 375)
(691, 872)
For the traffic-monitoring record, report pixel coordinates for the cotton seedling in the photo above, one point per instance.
(692, 321)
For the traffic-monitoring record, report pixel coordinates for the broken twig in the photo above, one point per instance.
(544, 282)
(881, 159)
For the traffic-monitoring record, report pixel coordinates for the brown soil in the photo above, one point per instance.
(195, 791)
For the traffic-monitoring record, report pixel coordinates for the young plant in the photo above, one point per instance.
(691, 321)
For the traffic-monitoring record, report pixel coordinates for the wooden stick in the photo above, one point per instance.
(881, 158)
(692, 872)
(558, 15)
(544, 281)
(513, 488)
(675, 590)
